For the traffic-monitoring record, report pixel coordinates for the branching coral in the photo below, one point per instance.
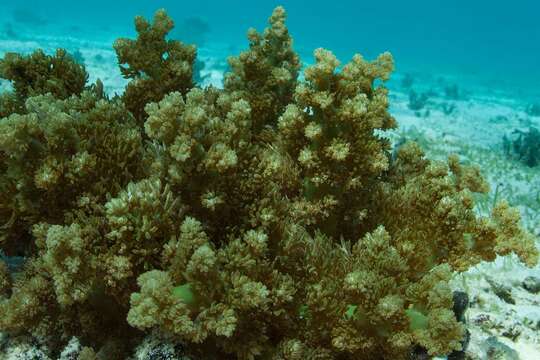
(38, 74)
(61, 153)
(155, 65)
(267, 219)
(266, 74)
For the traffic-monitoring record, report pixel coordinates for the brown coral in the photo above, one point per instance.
(39, 74)
(267, 219)
(154, 65)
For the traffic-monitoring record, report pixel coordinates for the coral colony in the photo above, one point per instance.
(265, 220)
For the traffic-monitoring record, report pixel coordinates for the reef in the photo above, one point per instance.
(269, 219)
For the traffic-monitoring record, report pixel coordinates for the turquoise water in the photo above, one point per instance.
(495, 43)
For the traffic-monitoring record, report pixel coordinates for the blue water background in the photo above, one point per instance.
(496, 43)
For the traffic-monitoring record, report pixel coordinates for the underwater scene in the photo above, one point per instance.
(269, 180)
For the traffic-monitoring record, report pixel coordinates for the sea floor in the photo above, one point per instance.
(504, 315)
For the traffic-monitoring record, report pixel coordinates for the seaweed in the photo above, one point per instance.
(523, 146)
(533, 109)
(448, 108)
(417, 101)
(78, 57)
(453, 92)
(407, 81)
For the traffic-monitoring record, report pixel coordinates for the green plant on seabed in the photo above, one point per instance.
(407, 81)
(485, 203)
(417, 101)
(267, 219)
(533, 109)
(523, 146)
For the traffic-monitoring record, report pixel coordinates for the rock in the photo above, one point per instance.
(21, 348)
(72, 350)
(419, 353)
(512, 332)
(502, 291)
(461, 303)
(531, 284)
(154, 347)
(496, 350)
(14, 263)
(461, 355)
